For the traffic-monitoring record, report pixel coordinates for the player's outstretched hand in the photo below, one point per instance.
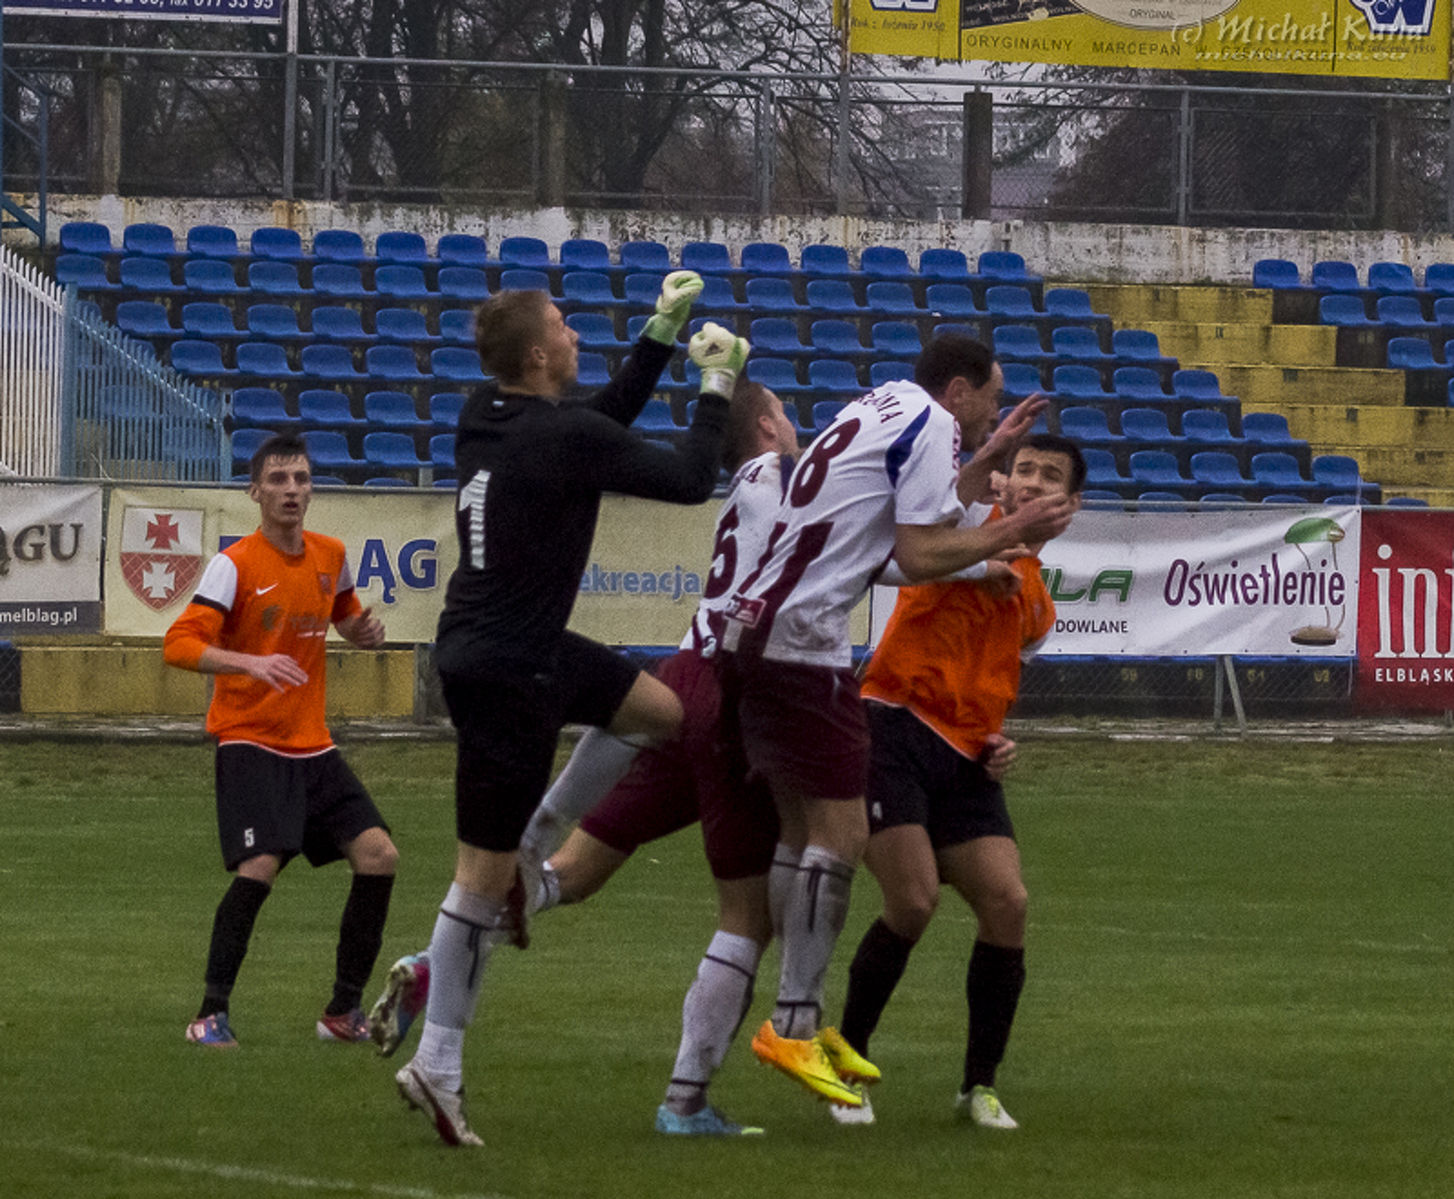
(1043, 518)
(721, 354)
(363, 629)
(278, 671)
(678, 290)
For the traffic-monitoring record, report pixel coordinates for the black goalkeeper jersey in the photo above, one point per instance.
(531, 476)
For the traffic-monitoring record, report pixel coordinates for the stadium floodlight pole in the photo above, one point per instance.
(290, 100)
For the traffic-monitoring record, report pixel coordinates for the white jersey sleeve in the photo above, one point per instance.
(218, 585)
(744, 523)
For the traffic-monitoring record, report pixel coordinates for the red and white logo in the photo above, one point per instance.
(161, 553)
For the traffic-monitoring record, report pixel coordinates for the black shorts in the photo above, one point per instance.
(696, 776)
(916, 777)
(508, 722)
(271, 804)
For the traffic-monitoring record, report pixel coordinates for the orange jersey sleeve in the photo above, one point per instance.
(951, 654)
(254, 599)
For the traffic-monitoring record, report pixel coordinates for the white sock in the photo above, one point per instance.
(599, 762)
(781, 876)
(816, 911)
(715, 1004)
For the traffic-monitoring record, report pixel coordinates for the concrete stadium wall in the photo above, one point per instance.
(1059, 250)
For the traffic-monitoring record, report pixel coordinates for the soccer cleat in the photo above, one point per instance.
(984, 1108)
(344, 1026)
(843, 1114)
(406, 990)
(212, 1031)
(708, 1122)
(445, 1108)
(806, 1062)
(848, 1063)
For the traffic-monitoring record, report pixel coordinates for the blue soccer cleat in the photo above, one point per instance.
(708, 1122)
(406, 990)
(212, 1031)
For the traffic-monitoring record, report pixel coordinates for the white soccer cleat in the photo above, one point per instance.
(843, 1114)
(983, 1106)
(445, 1108)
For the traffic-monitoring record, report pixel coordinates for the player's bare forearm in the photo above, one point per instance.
(925, 552)
(974, 477)
(362, 629)
(276, 670)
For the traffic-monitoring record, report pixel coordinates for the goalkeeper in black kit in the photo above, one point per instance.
(532, 467)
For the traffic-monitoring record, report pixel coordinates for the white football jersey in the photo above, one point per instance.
(743, 526)
(890, 458)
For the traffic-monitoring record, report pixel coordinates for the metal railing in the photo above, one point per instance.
(481, 133)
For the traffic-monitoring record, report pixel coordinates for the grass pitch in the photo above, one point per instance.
(1239, 986)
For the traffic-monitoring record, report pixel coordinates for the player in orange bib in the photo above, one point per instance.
(937, 689)
(258, 622)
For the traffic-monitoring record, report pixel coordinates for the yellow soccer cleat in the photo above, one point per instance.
(806, 1062)
(847, 1062)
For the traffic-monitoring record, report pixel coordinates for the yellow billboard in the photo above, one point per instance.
(1394, 39)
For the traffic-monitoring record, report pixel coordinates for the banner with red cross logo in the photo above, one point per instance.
(161, 553)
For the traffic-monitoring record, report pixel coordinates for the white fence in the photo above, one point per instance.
(32, 363)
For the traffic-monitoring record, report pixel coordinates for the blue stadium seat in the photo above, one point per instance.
(1077, 382)
(655, 417)
(1218, 470)
(1223, 497)
(586, 254)
(825, 412)
(1005, 266)
(149, 239)
(245, 443)
(1439, 278)
(1413, 354)
(897, 339)
(457, 327)
(831, 295)
(1338, 276)
(391, 450)
(587, 289)
(148, 276)
(441, 451)
(145, 318)
(330, 363)
(264, 360)
(1073, 305)
(1023, 380)
(339, 246)
(825, 262)
(328, 450)
(525, 253)
(403, 247)
(456, 365)
(268, 278)
(386, 481)
(1041, 423)
(887, 371)
(199, 359)
(775, 335)
(885, 262)
(214, 241)
(1010, 302)
(86, 237)
(339, 281)
(278, 245)
(1087, 424)
(639, 291)
(836, 337)
(1076, 343)
(335, 323)
(444, 409)
(779, 374)
(1208, 427)
(767, 258)
(466, 284)
(892, 299)
(260, 408)
(645, 257)
(717, 298)
(1140, 347)
(1138, 383)
(328, 481)
(1269, 428)
(1020, 343)
(1406, 501)
(1102, 473)
(1200, 386)
(319, 408)
(462, 250)
(393, 363)
(211, 321)
(771, 294)
(404, 327)
(275, 322)
(210, 277)
(1339, 472)
(592, 369)
(708, 258)
(834, 377)
(1402, 312)
(1100, 495)
(1148, 428)
(1279, 471)
(953, 300)
(1392, 279)
(1281, 274)
(597, 332)
(944, 265)
(397, 281)
(1158, 469)
(1159, 497)
(524, 278)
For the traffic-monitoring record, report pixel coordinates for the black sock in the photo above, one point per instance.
(360, 936)
(992, 984)
(877, 967)
(231, 929)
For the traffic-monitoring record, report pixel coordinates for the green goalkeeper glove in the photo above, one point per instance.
(678, 290)
(721, 354)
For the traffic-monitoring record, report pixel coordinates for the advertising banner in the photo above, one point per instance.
(1406, 619)
(401, 549)
(50, 559)
(1390, 39)
(235, 11)
(1283, 581)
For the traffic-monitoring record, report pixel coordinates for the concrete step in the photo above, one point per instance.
(1277, 387)
(1131, 305)
(1273, 345)
(1367, 426)
(1399, 467)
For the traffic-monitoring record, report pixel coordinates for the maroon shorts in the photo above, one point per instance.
(802, 728)
(696, 777)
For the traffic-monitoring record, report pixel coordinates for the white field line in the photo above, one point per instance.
(270, 1178)
(1150, 934)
